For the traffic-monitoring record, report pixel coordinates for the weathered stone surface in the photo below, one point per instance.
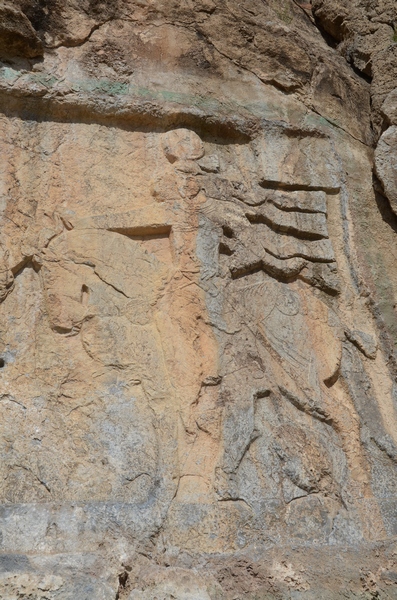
(365, 34)
(197, 301)
(386, 164)
(17, 35)
(389, 107)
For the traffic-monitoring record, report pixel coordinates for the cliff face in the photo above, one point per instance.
(197, 299)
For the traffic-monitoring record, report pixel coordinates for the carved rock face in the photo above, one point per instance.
(194, 272)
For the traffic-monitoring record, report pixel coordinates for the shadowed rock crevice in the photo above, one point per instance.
(17, 35)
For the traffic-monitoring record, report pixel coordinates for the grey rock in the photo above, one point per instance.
(386, 164)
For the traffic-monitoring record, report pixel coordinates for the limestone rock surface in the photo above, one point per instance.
(17, 35)
(386, 164)
(198, 295)
(365, 33)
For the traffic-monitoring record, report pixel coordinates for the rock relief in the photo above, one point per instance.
(197, 299)
(206, 316)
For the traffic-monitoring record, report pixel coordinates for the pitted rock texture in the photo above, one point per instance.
(17, 35)
(365, 33)
(197, 300)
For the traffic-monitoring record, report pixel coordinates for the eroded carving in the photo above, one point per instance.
(207, 303)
